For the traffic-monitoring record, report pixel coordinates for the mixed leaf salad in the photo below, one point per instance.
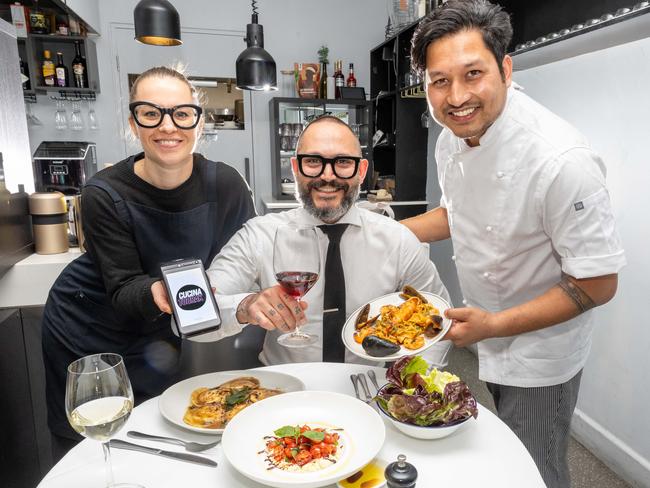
(416, 396)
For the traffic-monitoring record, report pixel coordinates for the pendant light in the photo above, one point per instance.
(157, 23)
(255, 67)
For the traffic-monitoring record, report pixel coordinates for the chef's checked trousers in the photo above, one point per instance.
(541, 418)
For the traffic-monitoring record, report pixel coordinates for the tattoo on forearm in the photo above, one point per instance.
(582, 301)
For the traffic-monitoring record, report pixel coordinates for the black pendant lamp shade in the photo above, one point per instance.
(255, 67)
(157, 22)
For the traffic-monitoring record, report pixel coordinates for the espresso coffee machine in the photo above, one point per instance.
(64, 166)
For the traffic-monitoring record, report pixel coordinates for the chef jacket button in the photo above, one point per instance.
(489, 228)
(500, 174)
(453, 258)
(464, 302)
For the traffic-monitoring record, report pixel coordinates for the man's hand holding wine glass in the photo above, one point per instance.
(272, 308)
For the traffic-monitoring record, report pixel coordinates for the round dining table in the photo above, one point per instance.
(484, 452)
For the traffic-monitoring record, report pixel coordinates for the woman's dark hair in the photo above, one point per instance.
(457, 15)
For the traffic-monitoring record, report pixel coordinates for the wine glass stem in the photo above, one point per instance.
(296, 331)
(107, 461)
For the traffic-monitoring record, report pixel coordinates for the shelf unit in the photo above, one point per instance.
(288, 117)
(402, 152)
(31, 51)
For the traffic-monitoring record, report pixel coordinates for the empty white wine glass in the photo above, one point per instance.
(93, 123)
(98, 402)
(76, 121)
(60, 116)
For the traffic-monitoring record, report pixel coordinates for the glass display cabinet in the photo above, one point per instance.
(289, 116)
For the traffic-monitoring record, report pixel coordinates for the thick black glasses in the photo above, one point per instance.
(148, 115)
(313, 165)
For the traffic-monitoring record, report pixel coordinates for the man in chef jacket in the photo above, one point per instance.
(525, 203)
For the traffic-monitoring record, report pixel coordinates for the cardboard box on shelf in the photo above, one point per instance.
(19, 18)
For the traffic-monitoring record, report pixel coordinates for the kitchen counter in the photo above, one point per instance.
(28, 282)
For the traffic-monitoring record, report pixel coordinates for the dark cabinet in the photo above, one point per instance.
(289, 116)
(400, 113)
(532, 20)
(22, 463)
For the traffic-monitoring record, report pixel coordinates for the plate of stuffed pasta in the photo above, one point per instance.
(206, 403)
(396, 325)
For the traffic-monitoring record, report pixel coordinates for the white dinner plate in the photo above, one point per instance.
(361, 437)
(393, 299)
(174, 401)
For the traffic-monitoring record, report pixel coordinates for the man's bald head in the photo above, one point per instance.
(325, 123)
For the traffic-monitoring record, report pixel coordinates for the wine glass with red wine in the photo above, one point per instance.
(296, 264)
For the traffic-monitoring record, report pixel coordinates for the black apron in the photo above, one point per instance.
(79, 320)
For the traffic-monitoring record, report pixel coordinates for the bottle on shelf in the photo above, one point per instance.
(62, 77)
(24, 70)
(37, 20)
(322, 86)
(339, 79)
(351, 81)
(79, 70)
(49, 73)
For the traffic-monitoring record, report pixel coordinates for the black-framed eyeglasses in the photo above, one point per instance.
(313, 165)
(149, 115)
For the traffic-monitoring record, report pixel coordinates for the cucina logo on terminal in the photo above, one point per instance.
(190, 297)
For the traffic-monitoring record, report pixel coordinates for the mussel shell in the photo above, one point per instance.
(378, 347)
(362, 317)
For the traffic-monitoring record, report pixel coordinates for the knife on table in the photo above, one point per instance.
(180, 456)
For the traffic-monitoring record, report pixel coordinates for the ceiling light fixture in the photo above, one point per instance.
(157, 23)
(255, 67)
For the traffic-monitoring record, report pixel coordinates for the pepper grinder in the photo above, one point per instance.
(400, 474)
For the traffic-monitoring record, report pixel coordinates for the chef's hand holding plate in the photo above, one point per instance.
(271, 309)
(469, 325)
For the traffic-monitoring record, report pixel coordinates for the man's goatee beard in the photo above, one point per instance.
(329, 215)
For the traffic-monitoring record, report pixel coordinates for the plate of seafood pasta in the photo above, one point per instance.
(207, 403)
(305, 439)
(396, 325)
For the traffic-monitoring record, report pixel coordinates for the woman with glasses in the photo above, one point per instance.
(164, 203)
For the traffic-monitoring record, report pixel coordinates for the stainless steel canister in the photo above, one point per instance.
(50, 222)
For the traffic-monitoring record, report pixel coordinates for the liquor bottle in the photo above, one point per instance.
(37, 20)
(80, 73)
(351, 81)
(24, 70)
(322, 86)
(62, 78)
(49, 74)
(339, 79)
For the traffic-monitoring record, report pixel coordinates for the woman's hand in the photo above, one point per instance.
(160, 298)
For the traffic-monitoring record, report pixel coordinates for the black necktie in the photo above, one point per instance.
(334, 296)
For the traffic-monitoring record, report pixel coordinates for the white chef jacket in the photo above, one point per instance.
(379, 256)
(525, 205)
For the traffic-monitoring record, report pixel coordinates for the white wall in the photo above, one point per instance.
(293, 29)
(606, 95)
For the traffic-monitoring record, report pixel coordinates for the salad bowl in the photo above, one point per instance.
(429, 432)
(423, 402)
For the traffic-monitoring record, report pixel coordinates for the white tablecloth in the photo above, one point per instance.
(482, 453)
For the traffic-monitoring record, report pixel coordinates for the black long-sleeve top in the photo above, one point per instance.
(109, 240)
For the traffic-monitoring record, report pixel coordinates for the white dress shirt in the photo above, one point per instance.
(525, 205)
(379, 256)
